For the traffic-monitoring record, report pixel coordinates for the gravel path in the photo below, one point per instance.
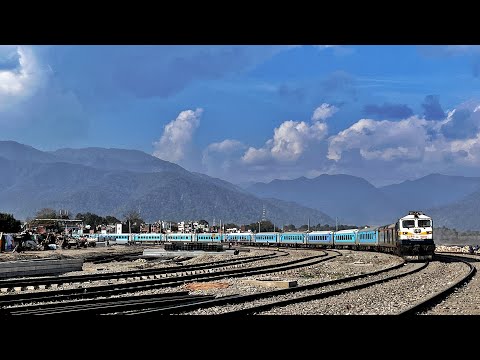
(464, 300)
(386, 298)
(120, 266)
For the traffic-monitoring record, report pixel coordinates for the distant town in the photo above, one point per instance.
(61, 221)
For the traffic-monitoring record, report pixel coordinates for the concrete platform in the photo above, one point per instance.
(283, 284)
(38, 267)
(164, 253)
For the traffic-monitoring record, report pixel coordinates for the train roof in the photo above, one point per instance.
(346, 231)
(371, 228)
(322, 232)
(416, 216)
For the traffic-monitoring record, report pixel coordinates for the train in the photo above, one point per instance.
(410, 236)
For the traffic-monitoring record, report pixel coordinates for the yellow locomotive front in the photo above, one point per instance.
(415, 226)
(415, 235)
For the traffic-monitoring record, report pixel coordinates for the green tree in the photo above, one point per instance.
(111, 220)
(9, 224)
(231, 225)
(133, 219)
(265, 226)
(90, 219)
(46, 213)
(290, 227)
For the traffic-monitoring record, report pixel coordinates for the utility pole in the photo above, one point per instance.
(308, 229)
(336, 223)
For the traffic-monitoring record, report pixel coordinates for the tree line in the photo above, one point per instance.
(132, 220)
(9, 224)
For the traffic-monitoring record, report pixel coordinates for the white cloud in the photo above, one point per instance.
(253, 155)
(461, 49)
(221, 157)
(384, 140)
(323, 112)
(381, 151)
(323, 47)
(463, 152)
(221, 150)
(289, 141)
(292, 138)
(23, 79)
(225, 146)
(409, 148)
(338, 50)
(177, 136)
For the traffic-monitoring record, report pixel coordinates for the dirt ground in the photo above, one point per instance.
(72, 253)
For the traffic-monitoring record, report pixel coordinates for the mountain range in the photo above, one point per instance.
(450, 200)
(116, 181)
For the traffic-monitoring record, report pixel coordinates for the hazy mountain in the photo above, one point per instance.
(452, 201)
(116, 159)
(27, 186)
(15, 151)
(352, 199)
(461, 215)
(114, 181)
(431, 191)
(221, 183)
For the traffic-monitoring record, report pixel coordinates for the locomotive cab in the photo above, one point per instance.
(415, 235)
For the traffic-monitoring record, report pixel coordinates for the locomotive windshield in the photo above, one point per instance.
(408, 223)
(424, 223)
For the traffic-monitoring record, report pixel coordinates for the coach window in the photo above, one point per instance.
(408, 223)
(424, 223)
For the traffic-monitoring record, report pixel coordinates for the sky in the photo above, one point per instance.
(249, 113)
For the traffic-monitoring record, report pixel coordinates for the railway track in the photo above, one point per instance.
(107, 306)
(309, 297)
(18, 299)
(440, 295)
(45, 282)
(239, 299)
(386, 298)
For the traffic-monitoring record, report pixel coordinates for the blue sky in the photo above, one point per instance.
(254, 113)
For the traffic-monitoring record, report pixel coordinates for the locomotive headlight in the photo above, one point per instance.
(429, 232)
(405, 233)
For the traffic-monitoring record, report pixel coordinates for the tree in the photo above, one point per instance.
(134, 220)
(46, 213)
(231, 225)
(265, 226)
(9, 224)
(90, 219)
(111, 220)
(290, 227)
